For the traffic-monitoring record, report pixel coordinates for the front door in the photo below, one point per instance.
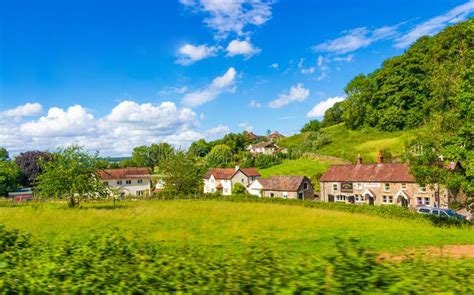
(331, 199)
(404, 203)
(371, 200)
(351, 199)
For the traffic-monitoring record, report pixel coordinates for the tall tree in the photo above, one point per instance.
(71, 175)
(219, 156)
(181, 174)
(9, 177)
(4, 154)
(311, 126)
(30, 164)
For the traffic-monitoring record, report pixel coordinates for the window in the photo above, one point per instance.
(128, 182)
(140, 193)
(305, 186)
(422, 189)
(419, 201)
(285, 195)
(427, 200)
(272, 195)
(340, 198)
(119, 182)
(404, 186)
(226, 190)
(140, 181)
(334, 187)
(358, 185)
(386, 187)
(359, 198)
(106, 183)
(387, 199)
(243, 180)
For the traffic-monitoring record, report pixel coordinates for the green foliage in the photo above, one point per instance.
(263, 161)
(4, 154)
(10, 177)
(71, 175)
(199, 148)
(181, 174)
(333, 115)
(239, 189)
(150, 156)
(219, 156)
(110, 263)
(311, 126)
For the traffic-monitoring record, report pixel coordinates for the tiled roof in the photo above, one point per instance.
(385, 172)
(282, 183)
(275, 135)
(263, 144)
(123, 173)
(228, 173)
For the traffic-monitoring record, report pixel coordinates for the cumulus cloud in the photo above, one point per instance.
(58, 122)
(190, 54)
(243, 47)
(434, 25)
(219, 85)
(297, 94)
(354, 39)
(28, 109)
(319, 109)
(229, 16)
(255, 104)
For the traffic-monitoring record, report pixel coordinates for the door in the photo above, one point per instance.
(331, 199)
(371, 200)
(404, 203)
(351, 199)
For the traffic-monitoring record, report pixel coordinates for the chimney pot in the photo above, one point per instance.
(380, 157)
(359, 159)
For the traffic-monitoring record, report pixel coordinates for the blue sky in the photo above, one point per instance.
(111, 75)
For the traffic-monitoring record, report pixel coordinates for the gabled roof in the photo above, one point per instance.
(384, 172)
(123, 173)
(282, 183)
(228, 173)
(275, 134)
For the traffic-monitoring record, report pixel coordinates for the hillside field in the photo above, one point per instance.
(347, 144)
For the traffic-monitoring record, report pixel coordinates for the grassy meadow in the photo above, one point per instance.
(228, 226)
(347, 144)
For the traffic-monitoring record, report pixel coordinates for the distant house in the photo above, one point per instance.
(223, 179)
(378, 184)
(266, 148)
(25, 194)
(282, 186)
(127, 181)
(253, 137)
(275, 136)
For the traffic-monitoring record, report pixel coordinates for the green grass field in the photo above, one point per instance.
(347, 144)
(228, 226)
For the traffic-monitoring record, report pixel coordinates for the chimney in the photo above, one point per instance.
(380, 157)
(237, 167)
(359, 159)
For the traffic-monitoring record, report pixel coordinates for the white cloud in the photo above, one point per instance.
(255, 104)
(319, 109)
(434, 25)
(274, 66)
(232, 16)
(75, 121)
(243, 47)
(246, 126)
(28, 109)
(190, 54)
(297, 94)
(355, 39)
(218, 86)
(347, 58)
(308, 71)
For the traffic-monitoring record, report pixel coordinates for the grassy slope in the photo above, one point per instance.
(346, 144)
(227, 226)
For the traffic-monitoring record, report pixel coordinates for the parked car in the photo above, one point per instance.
(446, 213)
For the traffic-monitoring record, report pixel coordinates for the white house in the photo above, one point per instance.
(127, 181)
(223, 179)
(266, 148)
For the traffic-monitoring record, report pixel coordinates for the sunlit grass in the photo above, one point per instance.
(230, 226)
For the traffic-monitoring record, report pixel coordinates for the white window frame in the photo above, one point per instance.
(386, 187)
(335, 184)
(128, 182)
(285, 195)
(387, 199)
(426, 201)
(119, 182)
(404, 186)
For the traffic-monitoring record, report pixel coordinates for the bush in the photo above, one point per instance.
(110, 263)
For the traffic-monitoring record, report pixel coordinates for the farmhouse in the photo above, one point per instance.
(223, 179)
(274, 136)
(378, 184)
(127, 181)
(266, 148)
(282, 186)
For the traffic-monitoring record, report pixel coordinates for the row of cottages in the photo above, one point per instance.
(222, 180)
(378, 184)
(127, 181)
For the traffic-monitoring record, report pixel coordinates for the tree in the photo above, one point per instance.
(181, 174)
(219, 156)
(333, 115)
(311, 126)
(9, 177)
(71, 175)
(30, 164)
(239, 189)
(150, 156)
(199, 148)
(4, 154)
